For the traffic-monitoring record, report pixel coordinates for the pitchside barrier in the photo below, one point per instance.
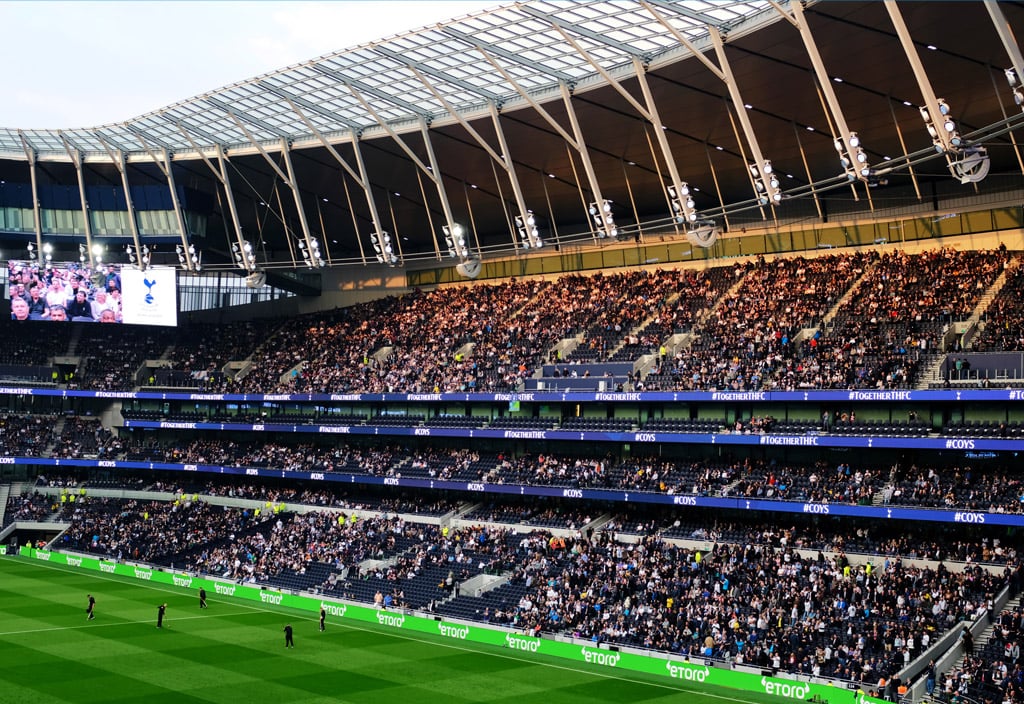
(604, 658)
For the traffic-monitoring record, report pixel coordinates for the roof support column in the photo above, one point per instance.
(524, 223)
(679, 193)
(314, 259)
(433, 172)
(599, 208)
(141, 257)
(856, 165)
(360, 178)
(186, 252)
(935, 111)
(245, 251)
(76, 159)
(435, 175)
(37, 217)
(1005, 33)
(248, 260)
(766, 184)
(504, 159)
(310, 247)
(371, 202)
(192, 260)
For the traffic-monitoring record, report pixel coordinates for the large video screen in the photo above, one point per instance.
(73, 292)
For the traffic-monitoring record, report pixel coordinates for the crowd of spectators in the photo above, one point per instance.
(202, 354)
(83, 436)
(997, 489)
(639, 311)
(328, 537)
(148, 531)
(751, 598)
(116, 353)
(899, 312)
(28, 506)
(1004, 318)
(26, 435)
(490, 337)
(749, 341)
(940, 542)
(748, 603)
(532, 513)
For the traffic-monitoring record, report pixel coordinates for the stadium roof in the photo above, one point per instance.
(333, 91)
(464, 94)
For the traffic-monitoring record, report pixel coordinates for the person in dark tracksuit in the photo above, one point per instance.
(160, 615)
(90, 610)
(288, 642)
(323, 618)
(202, 598)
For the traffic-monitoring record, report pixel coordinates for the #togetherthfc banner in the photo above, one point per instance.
(737, 503)
(1011, 396)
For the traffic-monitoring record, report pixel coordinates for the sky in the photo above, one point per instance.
(85, 64)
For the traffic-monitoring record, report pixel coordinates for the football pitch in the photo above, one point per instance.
(234, 652)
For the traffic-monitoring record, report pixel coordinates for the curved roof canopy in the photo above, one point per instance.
(333, 91)
(540, 109)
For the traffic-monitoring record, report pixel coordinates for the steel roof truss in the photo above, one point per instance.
(360, 178)
(738, 104)
(76, 159)
(118, 159)
(394, 135)
(529, 99)
(1005, 32)
(510, 169)
(233, 114)
(503, 53)
(259, 147)
(562, 25)
(931, 101)
(597, 67)
(312, 247)
(825, 82)
(419, 68)
(30, 154)
(349, 82)
(461, 120)
(582, 150)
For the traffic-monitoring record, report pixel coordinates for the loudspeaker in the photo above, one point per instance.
(469, 268)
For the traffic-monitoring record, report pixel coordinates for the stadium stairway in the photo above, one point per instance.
(847, 295)
(932, 375)
(973, 325)
(76, 336)
(987, 647)
(642, 325)
(698, 324)
(482, 583)
(5, 492)
(58, 429)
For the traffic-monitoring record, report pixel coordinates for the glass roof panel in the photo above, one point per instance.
(522, 38)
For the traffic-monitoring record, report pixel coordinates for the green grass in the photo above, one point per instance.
(234, 652)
